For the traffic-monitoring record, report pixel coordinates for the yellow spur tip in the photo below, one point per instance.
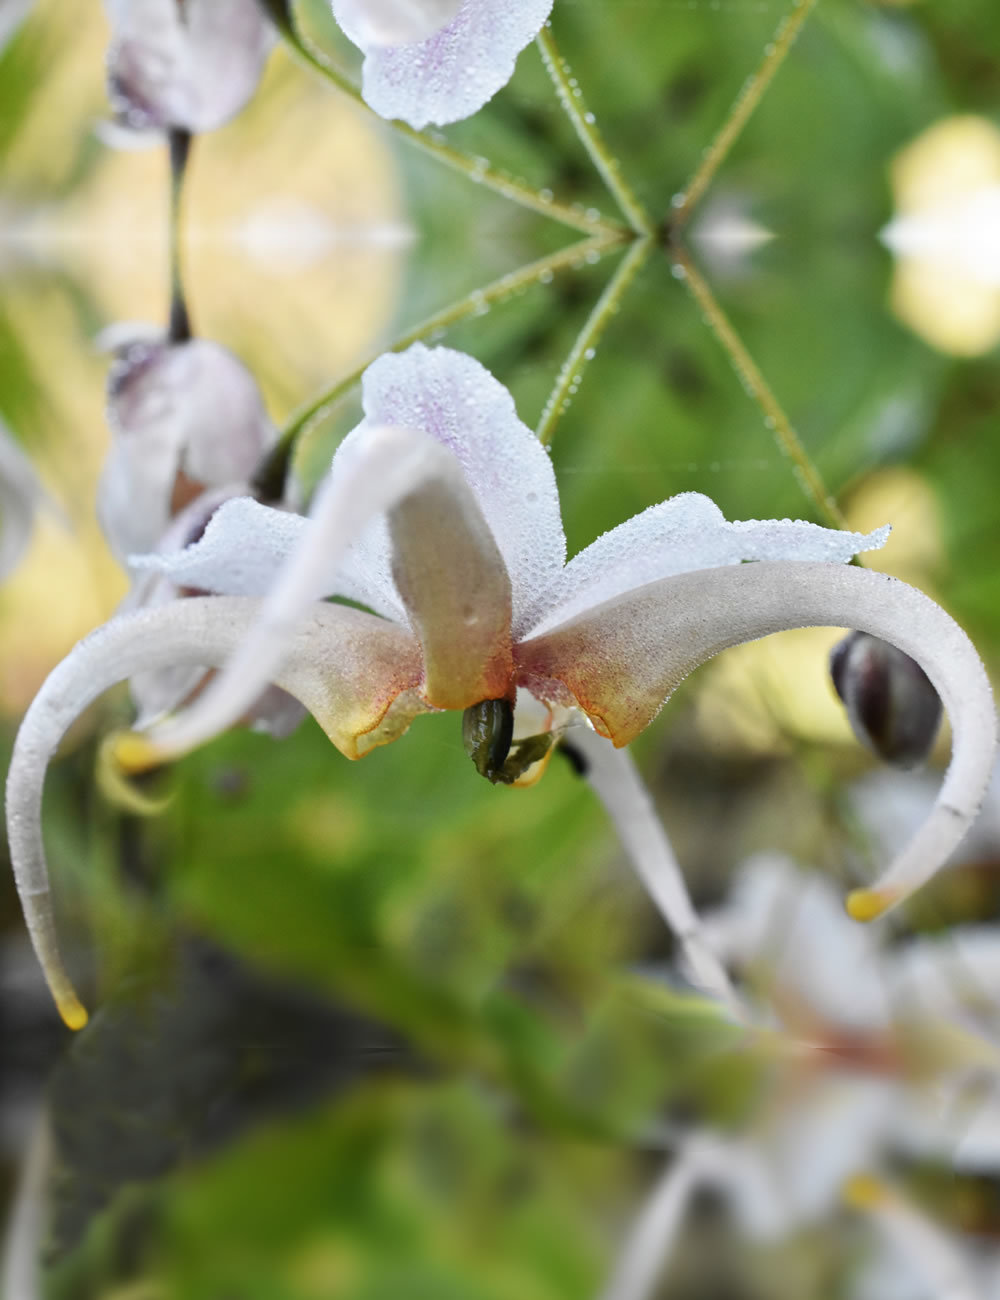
(133, 752)
(72, 1010)
(869, 904)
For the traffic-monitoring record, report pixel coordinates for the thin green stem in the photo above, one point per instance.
(477, 170)
(584, 124)
(746, 102)
(756, 385)
(270, 477)
(179, 328)
(585, 347)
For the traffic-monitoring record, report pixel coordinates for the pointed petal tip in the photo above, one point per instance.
(870, 904)
(71, 1009)
(865, 1192)
(133, 753)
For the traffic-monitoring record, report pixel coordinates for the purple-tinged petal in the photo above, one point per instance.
(187, 411)
(354, 672)
(623, 659)
(458, 403)
(685, 533)
(190, 64)
(453, 73)
(393, 22)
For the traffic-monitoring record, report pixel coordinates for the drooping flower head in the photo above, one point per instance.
(186, 65)
(440, 516)
(438, 61)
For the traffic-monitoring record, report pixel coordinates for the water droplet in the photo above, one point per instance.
(678, 271)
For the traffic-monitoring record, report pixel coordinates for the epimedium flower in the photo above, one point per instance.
(437, 61)
(440, 516)
(185, 65)
(881, 1052)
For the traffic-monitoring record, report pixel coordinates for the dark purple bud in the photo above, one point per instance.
(891, 704)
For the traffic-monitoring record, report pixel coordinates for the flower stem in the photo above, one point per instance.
(742, 110)
(808, 475)
(583, 350)
(583, 122)
(179, 328)
(477, 170)
(270, 476)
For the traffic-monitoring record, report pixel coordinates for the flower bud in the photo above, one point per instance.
(190, 65)
(185, 417)
(891, 704)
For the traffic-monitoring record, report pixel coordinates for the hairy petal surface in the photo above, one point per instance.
(457, 402)
(685, 533)
(624, 658)
(348, 668)
(453, 73)
(244, 548)
(191, 64)
(377, 473)
(393, 22)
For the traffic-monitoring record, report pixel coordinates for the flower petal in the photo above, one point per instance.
(788, 927)
(354, 672)
(457, 402)
(453, 73)
(393, 22)
(935, 1265)
(244, 548)
(686, 532)
(614, 778)
(189, 407)
(623, 659)
(192, 65)
(378, 472)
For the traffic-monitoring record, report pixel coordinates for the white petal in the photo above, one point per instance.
(792, 1171)
(686, 533)
(189, 406)
(191, 66)
(458, 403)
(377, 473)
(393, 22)
(621, 660)
(614, 778)
(651, 1237)
(242, 553)
(788, 927)
(453, 73)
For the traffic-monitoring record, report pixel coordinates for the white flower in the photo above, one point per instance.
(440, 515)
(438, 60)
(880, 1051)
